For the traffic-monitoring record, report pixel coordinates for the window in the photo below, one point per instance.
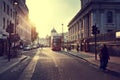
(3, 23)
(109, 17)
(11, 12)
(7, 9)
(109, 30)
(4, 6)
(13, 15)
(7, 22)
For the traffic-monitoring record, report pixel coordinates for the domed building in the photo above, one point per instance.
(53, 32)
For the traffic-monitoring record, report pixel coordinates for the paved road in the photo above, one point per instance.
(49, 65)
(44, 64)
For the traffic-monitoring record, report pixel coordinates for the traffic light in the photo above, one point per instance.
(98, 31)
(94, 29)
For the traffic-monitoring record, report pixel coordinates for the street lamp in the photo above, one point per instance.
(9, 29)
(15, 4)
(15, 35)
(62, 37)
(15, 7)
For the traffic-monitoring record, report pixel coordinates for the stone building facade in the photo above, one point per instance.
(23, 24)
(105, 14)
(7, 16)
(15, 12)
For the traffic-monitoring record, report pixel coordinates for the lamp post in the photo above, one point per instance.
(15, 7)
(9, 29)
(62, 37)
(15, 4)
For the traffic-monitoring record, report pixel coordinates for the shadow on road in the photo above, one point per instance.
(113, 73)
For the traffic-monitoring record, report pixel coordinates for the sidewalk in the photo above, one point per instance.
(113, 65)
(5, 64)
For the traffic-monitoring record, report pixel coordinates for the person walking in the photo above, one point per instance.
(77, 48)
(104, 57)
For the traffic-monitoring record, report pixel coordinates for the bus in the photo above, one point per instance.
(56, 43)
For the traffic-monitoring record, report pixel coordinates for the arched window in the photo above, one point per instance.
(109, 17)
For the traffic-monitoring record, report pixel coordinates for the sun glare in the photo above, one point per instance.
(41, 13)
(46, 14)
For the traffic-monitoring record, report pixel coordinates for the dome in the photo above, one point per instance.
(53, 31)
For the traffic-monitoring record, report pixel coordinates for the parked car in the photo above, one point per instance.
(34, 46)
(28, 47)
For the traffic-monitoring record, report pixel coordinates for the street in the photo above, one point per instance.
(45, 64)
(60, 40)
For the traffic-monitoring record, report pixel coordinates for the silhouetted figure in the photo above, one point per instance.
(68, 48)
(77, 48)
(104, 57)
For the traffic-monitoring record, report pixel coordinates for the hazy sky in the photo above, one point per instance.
(46, 14)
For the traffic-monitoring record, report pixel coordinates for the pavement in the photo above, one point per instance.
(113, 64)
(6, 65)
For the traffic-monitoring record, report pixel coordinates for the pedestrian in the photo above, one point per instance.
(77, 48)
(104, 57)
(69, 47)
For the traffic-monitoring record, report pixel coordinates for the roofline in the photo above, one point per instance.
(84, 8)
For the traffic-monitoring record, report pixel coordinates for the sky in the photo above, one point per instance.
(49, 14)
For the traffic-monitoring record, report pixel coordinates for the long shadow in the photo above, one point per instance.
(110, 72)
(113, 73)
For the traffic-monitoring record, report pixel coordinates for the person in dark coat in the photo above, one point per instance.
(77, 48)
(104, 57)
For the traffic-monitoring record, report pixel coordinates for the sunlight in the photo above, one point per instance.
(117, 34)
(41, 13)
(46, 14)
(36, 58)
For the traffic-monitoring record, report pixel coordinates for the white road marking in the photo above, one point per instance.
(28, 72)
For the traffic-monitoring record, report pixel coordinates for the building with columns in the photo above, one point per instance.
(105, 14)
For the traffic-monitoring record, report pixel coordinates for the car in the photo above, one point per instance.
(28, 47)
(34, 46)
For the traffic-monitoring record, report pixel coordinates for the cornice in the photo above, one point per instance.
(91, 4)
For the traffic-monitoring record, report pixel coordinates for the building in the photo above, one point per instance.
(23, 25)
(43, 42)
(53, 32)
(7, 14)
(105, 14)
(34, 34)
(48, 41)
(66, 38)
(13, 12)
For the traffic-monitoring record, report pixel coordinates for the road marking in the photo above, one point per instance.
(29, 70)
(53, 58)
